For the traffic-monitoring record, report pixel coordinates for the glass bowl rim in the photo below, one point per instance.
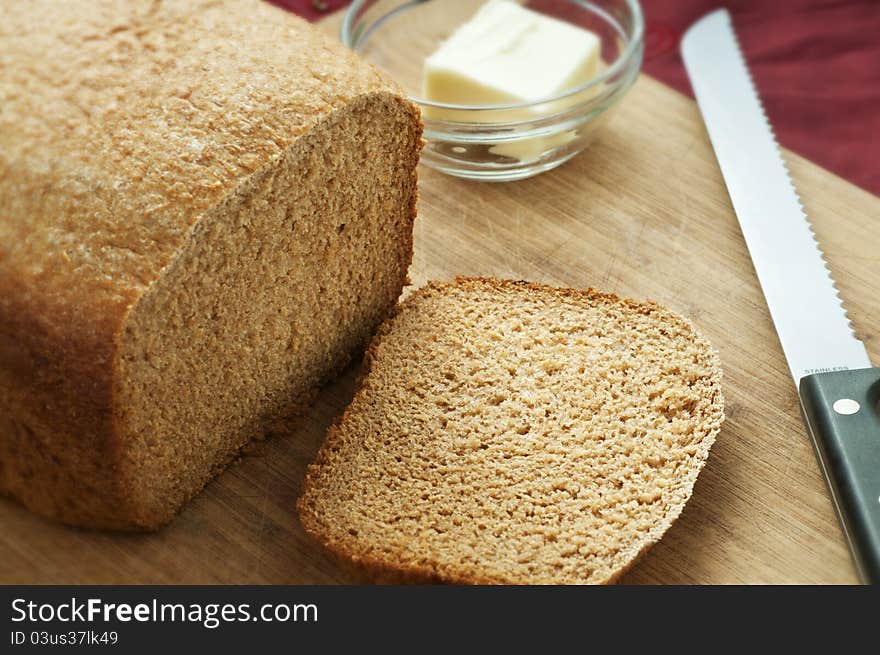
(624, 59)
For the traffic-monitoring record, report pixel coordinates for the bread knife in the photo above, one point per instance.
(838, 389)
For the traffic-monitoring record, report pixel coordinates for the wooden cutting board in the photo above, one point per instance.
(642, 213)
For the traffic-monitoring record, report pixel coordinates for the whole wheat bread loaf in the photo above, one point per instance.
(205, 208)
(506, 432)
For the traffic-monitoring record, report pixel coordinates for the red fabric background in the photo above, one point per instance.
(815, 62)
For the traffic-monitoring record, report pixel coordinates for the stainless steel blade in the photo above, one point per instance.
(810, 320)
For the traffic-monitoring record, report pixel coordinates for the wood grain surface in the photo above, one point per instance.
(643, 213)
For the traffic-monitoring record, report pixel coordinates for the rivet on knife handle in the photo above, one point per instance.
(841, 412)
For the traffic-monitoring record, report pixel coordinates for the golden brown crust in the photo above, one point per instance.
(401, 569)
(113, 148)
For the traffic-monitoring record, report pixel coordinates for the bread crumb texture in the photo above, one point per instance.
(508, 432)
(205, 207)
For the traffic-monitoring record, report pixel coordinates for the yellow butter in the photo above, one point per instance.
(508, 54)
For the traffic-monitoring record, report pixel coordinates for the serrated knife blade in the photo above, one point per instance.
(839, 391)
(811, 323)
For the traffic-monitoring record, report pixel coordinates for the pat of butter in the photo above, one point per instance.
(508, 54)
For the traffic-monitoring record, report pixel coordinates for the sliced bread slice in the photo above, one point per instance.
(508, 432)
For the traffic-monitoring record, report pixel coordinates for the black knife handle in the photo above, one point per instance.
(842, 414)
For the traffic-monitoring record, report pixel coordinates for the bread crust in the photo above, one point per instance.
(397, 570)
(99, 203)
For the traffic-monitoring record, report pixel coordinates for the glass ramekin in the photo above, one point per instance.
(495, 142)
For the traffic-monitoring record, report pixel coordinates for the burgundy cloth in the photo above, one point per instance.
(816, 64)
